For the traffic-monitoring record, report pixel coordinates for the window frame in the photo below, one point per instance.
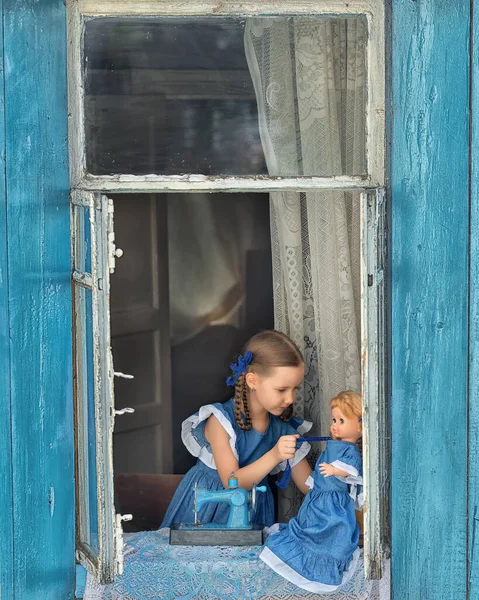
(374, 379)
(373, 10)
(370, 185)
(103, 562)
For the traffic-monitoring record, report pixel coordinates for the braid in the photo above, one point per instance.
(247, 414)
(240, 399)
(287, 414)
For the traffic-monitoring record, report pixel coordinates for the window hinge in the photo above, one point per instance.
(377, 278)
(113, 251)
(119, 540)
(123, 375)
(125, 411)
(380, 196)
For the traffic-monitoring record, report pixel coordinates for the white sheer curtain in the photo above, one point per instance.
(308, 75)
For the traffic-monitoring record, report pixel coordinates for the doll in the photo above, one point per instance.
(317, 550)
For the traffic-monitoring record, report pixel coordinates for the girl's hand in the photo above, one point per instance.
(285, 447)
(326, 469)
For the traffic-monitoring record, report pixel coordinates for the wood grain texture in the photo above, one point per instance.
(429, 181)
(195, 183)
(6, 506)
(39, 299)
(473, 474)
(222, 7)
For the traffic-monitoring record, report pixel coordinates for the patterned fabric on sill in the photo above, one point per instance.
(154, 570)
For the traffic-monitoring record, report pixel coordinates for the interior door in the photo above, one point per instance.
(141, 336)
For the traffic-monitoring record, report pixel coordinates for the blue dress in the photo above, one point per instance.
(317, 550)
(247, 446)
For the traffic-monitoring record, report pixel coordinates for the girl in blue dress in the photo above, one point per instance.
(251, 435)
(318, 549)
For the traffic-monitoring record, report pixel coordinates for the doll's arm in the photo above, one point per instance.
(327, 470)
(226, 463)
(300, 474)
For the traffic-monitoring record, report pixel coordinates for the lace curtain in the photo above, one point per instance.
(309, 79)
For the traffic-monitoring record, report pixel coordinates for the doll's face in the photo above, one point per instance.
(277, 391)
(347, 429)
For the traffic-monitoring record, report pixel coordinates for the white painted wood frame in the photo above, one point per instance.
(373, 381)
(103, 559)
(373, 10)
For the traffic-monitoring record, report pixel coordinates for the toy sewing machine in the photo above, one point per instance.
(237, 531)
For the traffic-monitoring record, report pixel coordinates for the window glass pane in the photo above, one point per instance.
(88, 509)
(279, 95)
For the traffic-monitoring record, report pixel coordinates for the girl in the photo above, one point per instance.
(251, 435)
(317, 550)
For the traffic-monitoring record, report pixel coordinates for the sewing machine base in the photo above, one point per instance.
(214, 535)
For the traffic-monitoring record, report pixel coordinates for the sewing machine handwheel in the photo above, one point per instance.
(253, 503)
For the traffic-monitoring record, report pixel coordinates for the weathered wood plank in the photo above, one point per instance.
(222, 7)
(473, 473)
(6, 507)
(429, 180)
(40, 298)
(156, 184)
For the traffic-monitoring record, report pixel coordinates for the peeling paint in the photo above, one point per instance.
(103, 563)
(51, 500)
(373, 375)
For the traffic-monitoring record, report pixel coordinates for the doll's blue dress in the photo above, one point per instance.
(317, 550)
(247, 446)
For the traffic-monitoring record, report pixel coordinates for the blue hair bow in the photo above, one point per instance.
(239, 368)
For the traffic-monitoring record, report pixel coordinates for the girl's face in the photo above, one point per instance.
(277, 391)
(347, 429)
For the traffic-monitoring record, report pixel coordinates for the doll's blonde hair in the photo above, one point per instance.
(350, 403)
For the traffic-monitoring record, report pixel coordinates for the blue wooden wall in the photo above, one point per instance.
(430, 311)
(430, 236)
(39, 309)
(6, 509)
(473, 474)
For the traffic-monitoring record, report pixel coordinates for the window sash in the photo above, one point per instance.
(373, 10)
(375, 422)
(374, 381)
(101, 563)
